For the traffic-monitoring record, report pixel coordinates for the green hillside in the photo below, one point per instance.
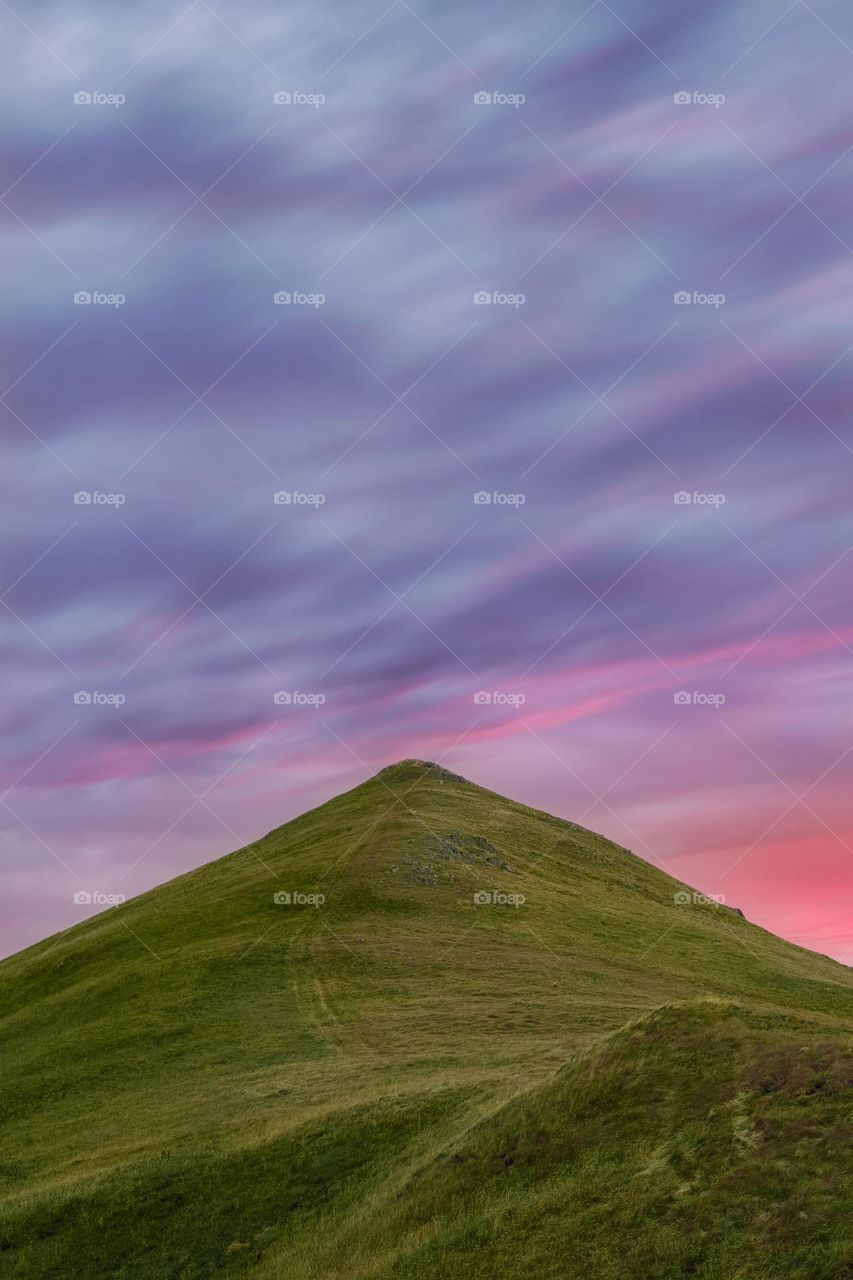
(477, 1041)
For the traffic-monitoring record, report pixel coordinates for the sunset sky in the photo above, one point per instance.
(669, 481)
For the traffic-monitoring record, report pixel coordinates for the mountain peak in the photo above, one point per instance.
(412, 770)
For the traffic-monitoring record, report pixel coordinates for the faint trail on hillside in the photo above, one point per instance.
(313, 997)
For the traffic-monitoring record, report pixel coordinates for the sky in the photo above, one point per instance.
(467, 382)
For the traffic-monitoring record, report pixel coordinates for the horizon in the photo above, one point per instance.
(388, 383)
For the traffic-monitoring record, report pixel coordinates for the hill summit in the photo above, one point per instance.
(424, 1031)
(414, 770)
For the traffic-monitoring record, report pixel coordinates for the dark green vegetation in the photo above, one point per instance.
(409, 1081)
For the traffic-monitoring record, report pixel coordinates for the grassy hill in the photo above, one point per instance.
(498, 1047)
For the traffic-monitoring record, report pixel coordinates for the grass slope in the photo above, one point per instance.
(405, 1081)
